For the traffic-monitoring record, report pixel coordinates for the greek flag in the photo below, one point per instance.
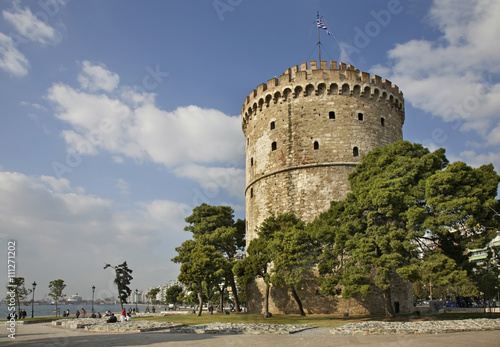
(322, 25)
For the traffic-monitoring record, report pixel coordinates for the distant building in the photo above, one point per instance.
(160, 297)
(479, 255)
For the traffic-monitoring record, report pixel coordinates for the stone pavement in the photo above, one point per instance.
(358, 328)
(44, 334)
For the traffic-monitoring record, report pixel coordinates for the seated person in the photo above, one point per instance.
(112, 319)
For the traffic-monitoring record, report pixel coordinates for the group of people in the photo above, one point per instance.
(124, 316)
(22, 315)
(82, 313)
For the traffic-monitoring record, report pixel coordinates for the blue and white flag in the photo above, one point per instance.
(322, 25)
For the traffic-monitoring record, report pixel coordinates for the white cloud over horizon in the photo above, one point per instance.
(51, 220)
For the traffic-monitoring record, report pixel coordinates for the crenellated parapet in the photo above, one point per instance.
(306, 80)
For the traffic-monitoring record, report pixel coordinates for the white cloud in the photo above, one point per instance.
(47, 198)
(215, 178)
(60, 185)
(188, 134)
(167, 212)
(127, 123)
(454, 76)
(96, 77)
(117, 159)
(475, 159)
(123, 187)
(11, 60)
(28, 25)
(50, 220)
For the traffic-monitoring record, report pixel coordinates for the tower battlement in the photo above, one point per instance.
(310, 79)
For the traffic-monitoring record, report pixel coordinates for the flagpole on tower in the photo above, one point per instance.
(319, 40)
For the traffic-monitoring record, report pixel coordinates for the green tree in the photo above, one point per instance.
(215, 225)
(56, 290)
(256, 265)
(405, 202)
(17, 291)
(151, 295)
(487, 274)
(172, 295)
(122, 280)
(292, 251)
(202, 268)
(438, 273)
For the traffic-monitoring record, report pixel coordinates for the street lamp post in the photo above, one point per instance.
(136, 294)
(33, 300)
(221, 292)
(93, 290)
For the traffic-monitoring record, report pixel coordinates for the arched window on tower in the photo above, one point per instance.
(273, 146)
(251, 161)
(331, 115)
(355, 152)
(273, 125)
(316, 145)
(360, 116)
(382, 121)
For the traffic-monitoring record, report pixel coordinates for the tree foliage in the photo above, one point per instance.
(56, 290)
(215, 226)
(151, 295)
(172, 294)
(256, 265)
(122, 280)
(407, 206)
(487, 274)
(283, 254)
(202, 268)
(17, 291)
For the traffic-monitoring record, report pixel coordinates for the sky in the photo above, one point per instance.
(118, 117)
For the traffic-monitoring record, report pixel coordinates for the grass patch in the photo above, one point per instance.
(193, 319)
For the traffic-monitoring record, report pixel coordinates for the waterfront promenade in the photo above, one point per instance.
(44, 334)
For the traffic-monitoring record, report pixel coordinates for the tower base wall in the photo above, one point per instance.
(282, 302)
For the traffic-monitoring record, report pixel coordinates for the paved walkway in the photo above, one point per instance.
(43, 334)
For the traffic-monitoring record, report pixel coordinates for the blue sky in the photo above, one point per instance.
(119, 117)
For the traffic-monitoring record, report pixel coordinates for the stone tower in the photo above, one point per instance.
(306, 131)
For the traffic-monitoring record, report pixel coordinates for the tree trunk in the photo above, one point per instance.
(266, 302)
(235, 295)
(221, 304)
(200, 301)
(389, 310)
(297, 299)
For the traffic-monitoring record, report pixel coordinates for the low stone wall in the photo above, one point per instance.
(101, 325)
(421, 327)
(242, 328)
